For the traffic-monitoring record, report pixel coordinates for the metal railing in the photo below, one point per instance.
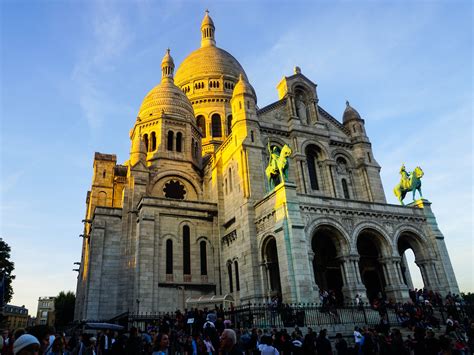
(301, 315)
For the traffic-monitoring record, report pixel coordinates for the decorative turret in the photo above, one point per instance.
(353, 122)
(350, 114)
(244, 110)
(243, 88)
(138, 151)
(207, 31)
(167, 67)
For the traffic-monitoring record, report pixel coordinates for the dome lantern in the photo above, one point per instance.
(207, 31)
(167, 67)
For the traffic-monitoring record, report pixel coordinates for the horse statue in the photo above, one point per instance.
(408, 182)
(277, 169)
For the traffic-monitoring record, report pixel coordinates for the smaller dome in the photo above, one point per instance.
(350, 114)
(166, 97)
(243, 87)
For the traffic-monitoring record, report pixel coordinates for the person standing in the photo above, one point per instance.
(358, 340)
(104, 343)
(341, 345)
(228, 344)
(323, 345)
(161, 344)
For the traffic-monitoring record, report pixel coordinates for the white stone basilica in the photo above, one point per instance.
(191, 214)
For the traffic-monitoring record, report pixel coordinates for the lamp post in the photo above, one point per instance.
(138, 305)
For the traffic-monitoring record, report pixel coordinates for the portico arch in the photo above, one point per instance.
(409, 240)
(372, 248)
(328, 245)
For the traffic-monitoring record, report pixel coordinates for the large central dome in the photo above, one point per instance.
(208, 61)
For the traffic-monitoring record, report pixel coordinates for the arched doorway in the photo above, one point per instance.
(369, 247)
(270, 261)
(410, 250)
(327, 247)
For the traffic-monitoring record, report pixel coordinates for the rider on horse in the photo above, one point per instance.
(405, 181)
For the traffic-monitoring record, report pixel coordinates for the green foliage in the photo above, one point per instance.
(64, 308)
(468, 297)
(6, 270)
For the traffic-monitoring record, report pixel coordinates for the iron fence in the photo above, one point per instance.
(301, 315)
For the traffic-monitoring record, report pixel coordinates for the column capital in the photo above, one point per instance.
(389, 259)
(352, 257)
(426, 261)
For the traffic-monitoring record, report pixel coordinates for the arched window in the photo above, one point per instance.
(170, 140)
(229, 271)
(312, 154)
(201, 123)
(345, 189)
(230, 179)
(153, 141)
(193, 152)
(169, 257)
(203, 252)
(229, 124)
(186, 251)
(237, 281)
(179, 138)
(196, 147)
(145, 139)
(216, 125)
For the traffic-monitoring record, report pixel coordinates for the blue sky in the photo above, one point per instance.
(75, 72)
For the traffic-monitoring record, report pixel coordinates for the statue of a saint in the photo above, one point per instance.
(274, 155)
(301, 109)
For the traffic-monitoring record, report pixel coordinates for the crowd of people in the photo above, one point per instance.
(419, 331)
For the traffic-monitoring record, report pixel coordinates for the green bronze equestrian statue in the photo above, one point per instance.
(277, 169)
(408, 182)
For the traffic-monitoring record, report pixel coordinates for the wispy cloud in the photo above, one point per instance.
(11, 180)
(111, 37)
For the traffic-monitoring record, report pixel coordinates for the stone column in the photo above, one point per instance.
(313, 277)
(394, 289)
(265, 278)
(352, 281)
(301, 178)
(426, 269)
(332, 178)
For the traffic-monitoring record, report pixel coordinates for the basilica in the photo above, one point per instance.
(194, 215)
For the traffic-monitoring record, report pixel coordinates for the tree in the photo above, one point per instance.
(64, 308)
(6, 276)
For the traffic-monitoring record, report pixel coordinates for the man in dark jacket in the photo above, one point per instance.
(134, 344)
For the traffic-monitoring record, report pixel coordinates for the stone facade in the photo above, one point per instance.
(191, 214)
